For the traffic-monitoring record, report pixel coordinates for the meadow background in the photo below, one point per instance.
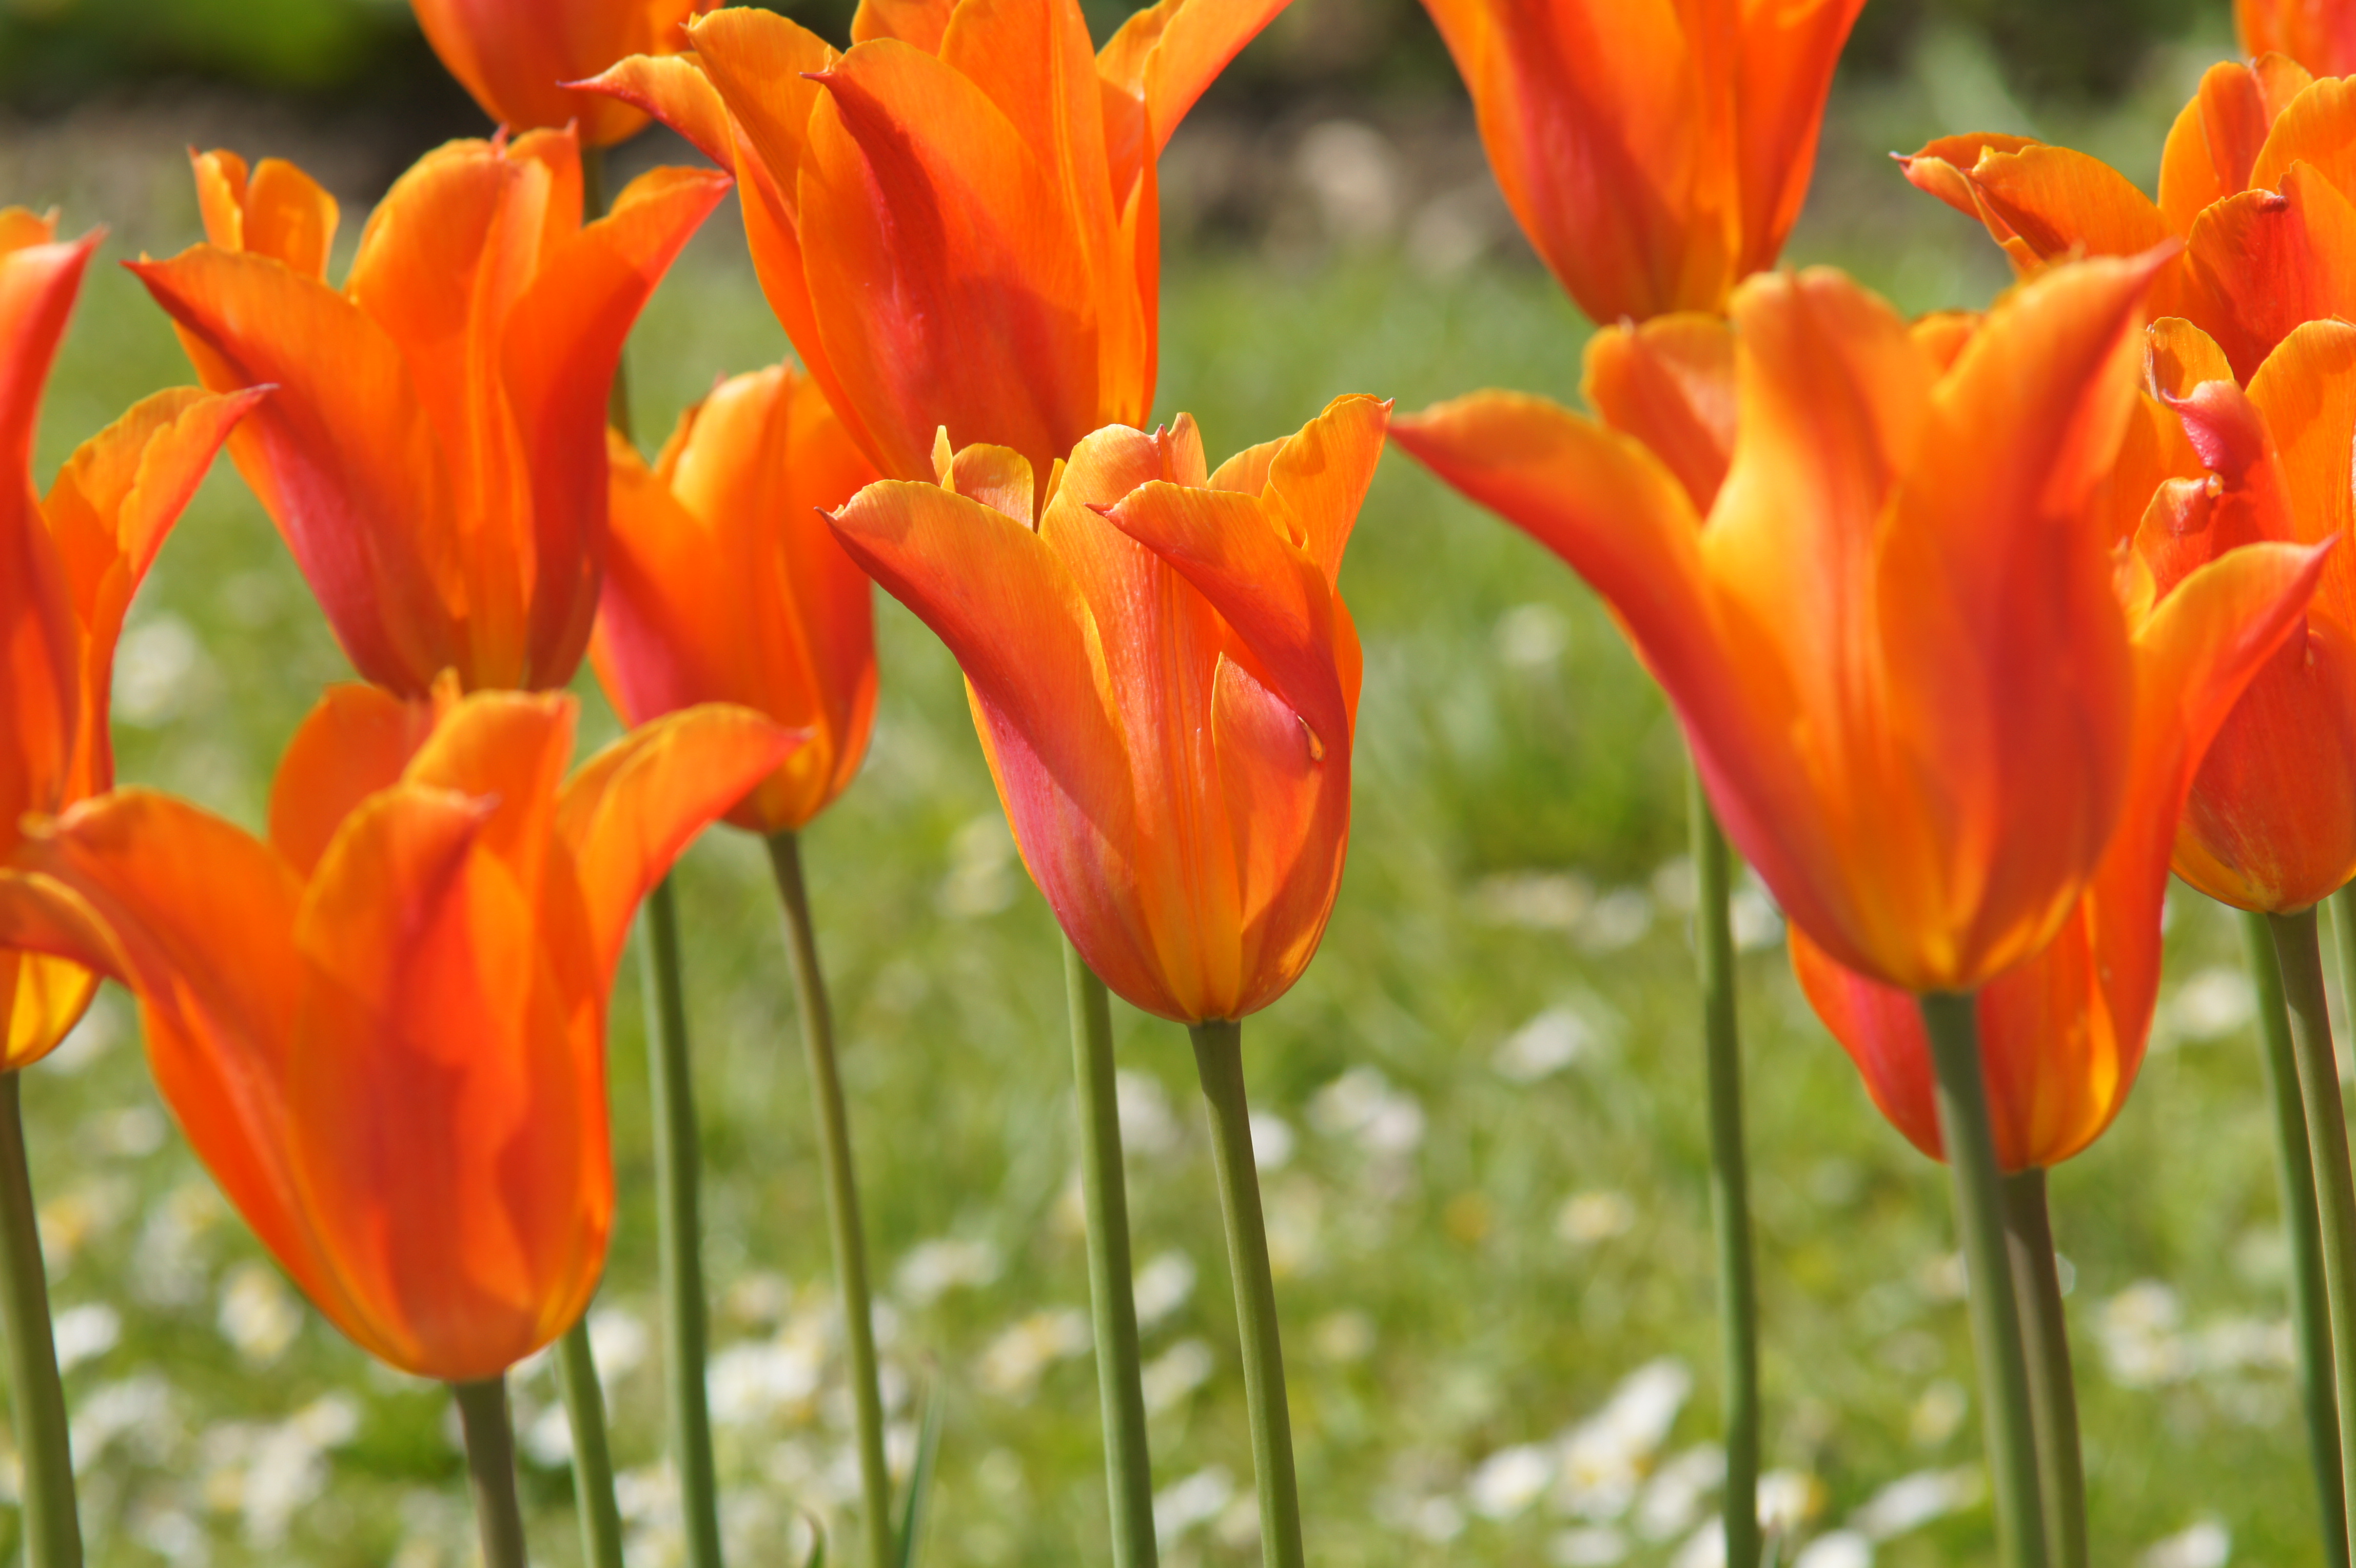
(1480, 1118)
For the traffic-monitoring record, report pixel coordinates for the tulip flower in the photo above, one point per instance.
(434, 452)
(956, 220)
(2271, 824)
(1893, 646)
(2063, 1033)
(68, 566)
(723, 584)
(2318, 33)
(383, 1029)
(1655, 153)
(514, 56)
(1165, 681)
(2251, 180)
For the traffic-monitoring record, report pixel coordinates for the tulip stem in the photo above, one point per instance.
(593, 200)
(679, 1229)
(593, 1457)
(1952, 1024)
(1220, 1059)
(841, 1194)
(2309, 1306)
(2052, 1390)
(2296, 948)
(52, 1527)
(1120, 1388)
(1730, 1181)
(491, 1471)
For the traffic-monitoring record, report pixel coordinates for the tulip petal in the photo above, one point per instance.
(40, 647)
(1288, 808)
(1163, 648)
(2260, 262)
(1670, 383)
(1318, 478)
(674, 89)
(108, 510)
(562, 344)
(2059, 201)
(519, 58)
(761, 64)
(915, 176)
(353, 743)
(1270, 591)
(1019, 626)
(341, 453)
(2317, 128)
(1163, 57)
(278, 211)
(196, 917)
(919, 23)
(636, 806)
(415, 1094)
(2050, 383)
(1943, 169)
(1783, 73)
(2213, 144)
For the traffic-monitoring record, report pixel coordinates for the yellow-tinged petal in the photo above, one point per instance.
(353, 743)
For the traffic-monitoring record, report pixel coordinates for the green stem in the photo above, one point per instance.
(2294, 1166)
(52, 1527)
(1128, 1463)
(2301, 959)
(1220, 1059)
(841, 1194)
(491, 1471)
(593, 1457)
(679, 1230)
(1952, 1024)
(2052, 1391)
(2343, 931)
(593, 198)
(1729, 1180)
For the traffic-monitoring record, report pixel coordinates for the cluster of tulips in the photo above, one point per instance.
(1977, 626)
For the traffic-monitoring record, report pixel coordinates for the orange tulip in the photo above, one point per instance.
(514, 56)
(2272, 820)
(1656, 152)
(2318, 33)
(1894, 646)
(957, 221)
(2062, 1034)
(383, 1030)
(68, 566)
(2255, 180)
(1165, 681)
(726, 585)
(434, 453)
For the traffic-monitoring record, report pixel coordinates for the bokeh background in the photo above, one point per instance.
(1480, 1120)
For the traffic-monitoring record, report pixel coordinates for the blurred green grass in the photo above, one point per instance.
(1494, 1208)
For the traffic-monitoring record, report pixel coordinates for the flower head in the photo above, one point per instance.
(1165, 680)
(1891, 634)
(956, 220)
(434, 451)
(1656, 152)
(2257, 180)
(2062, 1034)
(383, 1029)
(724, 585)
(69, 563)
